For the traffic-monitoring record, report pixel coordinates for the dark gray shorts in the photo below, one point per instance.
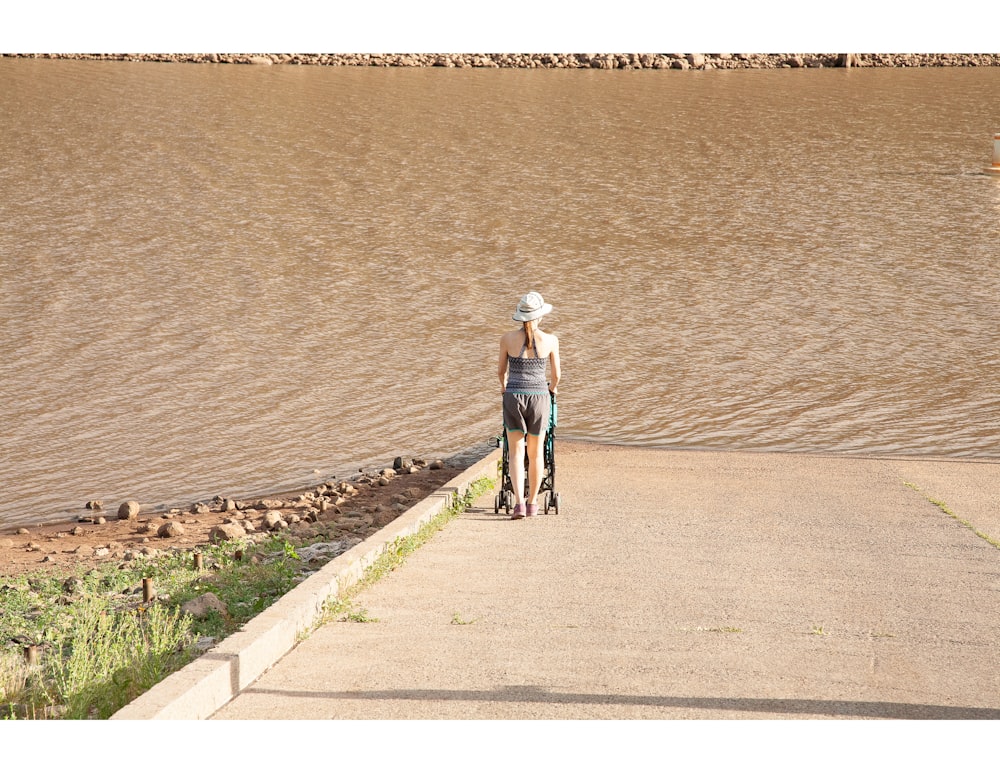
(526, 413)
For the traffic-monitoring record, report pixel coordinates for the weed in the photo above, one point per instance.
(360, 616)
(943, 507)
(457, 619)
(101, 647)
(817, 630)
(717, 629)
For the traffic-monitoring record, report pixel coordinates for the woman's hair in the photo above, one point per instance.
(529, 333)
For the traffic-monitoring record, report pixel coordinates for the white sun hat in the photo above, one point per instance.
(531, 306)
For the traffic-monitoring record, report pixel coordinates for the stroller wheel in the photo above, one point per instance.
(546, 502)
(496, 504)
(555, 498)
(508, 502)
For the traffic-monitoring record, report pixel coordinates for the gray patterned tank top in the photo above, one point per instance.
(526, 375)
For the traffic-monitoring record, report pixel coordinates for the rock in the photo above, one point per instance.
(226, 531)
(383, 518)
(696, 60)
(324, 551)
(204, 605)
(95, 504)
(100, 520)
(33, 547)
(200, 508)
(273, 521)
(22, 531)
(437, 464)
(128, 511)
(399, 463)
(388, 472)
(170, 529)
(72, 584)
(79, 531)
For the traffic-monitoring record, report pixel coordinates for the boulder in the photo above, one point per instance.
(274, 521)
(128, 511)
(226, 531)
(204, 605)
(170, 529)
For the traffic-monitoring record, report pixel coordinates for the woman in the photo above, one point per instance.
(524, 354)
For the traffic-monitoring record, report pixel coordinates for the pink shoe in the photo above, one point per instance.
(518, 513)
(532, 510)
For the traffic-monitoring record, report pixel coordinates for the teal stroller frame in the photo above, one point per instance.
(547, 490)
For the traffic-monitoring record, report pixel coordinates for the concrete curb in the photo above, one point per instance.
(205, 685)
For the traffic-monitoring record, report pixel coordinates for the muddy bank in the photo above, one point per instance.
(606, 61)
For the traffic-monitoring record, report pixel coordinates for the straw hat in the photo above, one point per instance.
(531, 306)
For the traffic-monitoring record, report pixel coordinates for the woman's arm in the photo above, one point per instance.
(502, 365)
(555, 365)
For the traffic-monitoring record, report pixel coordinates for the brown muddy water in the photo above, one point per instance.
(228, 280)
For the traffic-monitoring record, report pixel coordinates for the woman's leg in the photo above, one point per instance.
(536, 465)
(515, 460)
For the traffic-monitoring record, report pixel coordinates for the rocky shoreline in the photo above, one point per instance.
(607, 61)
(342, 511)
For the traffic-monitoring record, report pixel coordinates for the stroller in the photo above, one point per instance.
(550, 499)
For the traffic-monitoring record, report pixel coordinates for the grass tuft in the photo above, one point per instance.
(943, 507)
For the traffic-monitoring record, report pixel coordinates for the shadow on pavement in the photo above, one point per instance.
(532, 694)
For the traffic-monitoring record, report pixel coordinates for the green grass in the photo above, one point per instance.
(99, 645)
(943, 507)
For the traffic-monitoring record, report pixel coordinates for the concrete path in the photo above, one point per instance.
(677, 585)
